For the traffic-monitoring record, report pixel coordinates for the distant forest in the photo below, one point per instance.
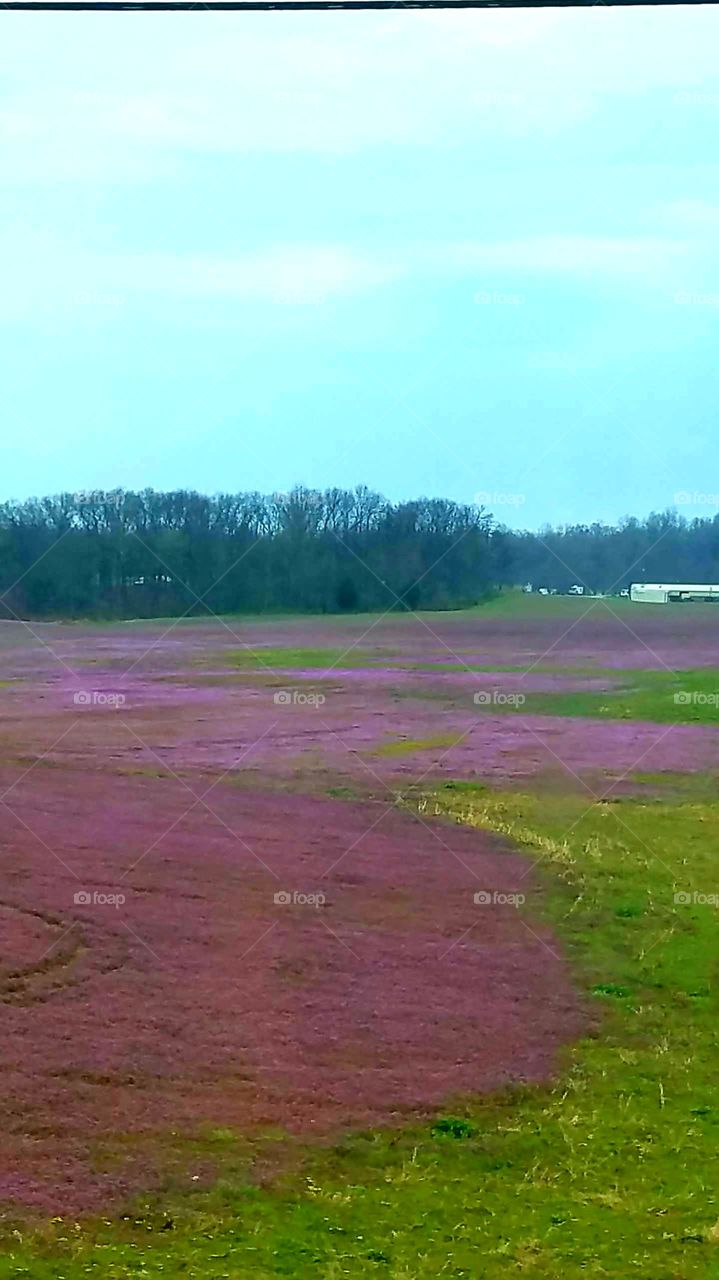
(126, 555)
(607, 558)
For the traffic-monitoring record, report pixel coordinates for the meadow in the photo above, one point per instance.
(372, 944)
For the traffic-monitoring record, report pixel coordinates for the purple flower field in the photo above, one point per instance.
(200, 932)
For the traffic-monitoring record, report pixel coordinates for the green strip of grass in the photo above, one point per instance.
(669, 785)
(665, 697)
(459, 664)
(285, 658)
(406, 746)
(682, 697)
(611, 1172)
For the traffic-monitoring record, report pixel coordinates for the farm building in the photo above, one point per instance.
(673, 592)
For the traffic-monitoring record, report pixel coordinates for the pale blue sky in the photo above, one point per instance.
(435, 253)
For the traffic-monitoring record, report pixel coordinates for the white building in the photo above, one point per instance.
(672, 592)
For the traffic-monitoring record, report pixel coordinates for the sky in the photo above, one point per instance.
(469, 254)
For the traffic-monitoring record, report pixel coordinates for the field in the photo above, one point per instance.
(361, 945)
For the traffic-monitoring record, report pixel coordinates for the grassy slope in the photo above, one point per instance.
(611, 1172)
(507, 603)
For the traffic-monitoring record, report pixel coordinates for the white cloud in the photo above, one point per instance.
(293, 274)
(44, 274)
(330, 83)
(572, 255)
(692, 215)
(41, 272)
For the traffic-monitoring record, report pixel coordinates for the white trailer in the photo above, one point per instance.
(673, 592)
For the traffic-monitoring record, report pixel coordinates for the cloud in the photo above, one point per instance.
(577, 255)
(692, 215)
(286, 275)
(316, 273)
(337, 83)
(42, 272)
(45, 274)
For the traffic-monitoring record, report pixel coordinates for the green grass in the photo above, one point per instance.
(507, 603)
(543, 666)
(286, 658)
(666, 697)
(520, 604)
(611, 1172)
(405, 746)
(669, 785)
(510, 603)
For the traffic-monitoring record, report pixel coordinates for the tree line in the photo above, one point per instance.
(664, 547)
(125, 554)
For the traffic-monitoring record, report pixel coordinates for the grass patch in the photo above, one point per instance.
(286, 658)
(670, 786)
(531, 605)
(665, 697)
(406, 746)
(540, 667)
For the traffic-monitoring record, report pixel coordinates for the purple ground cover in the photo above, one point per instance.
(199, 1000)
